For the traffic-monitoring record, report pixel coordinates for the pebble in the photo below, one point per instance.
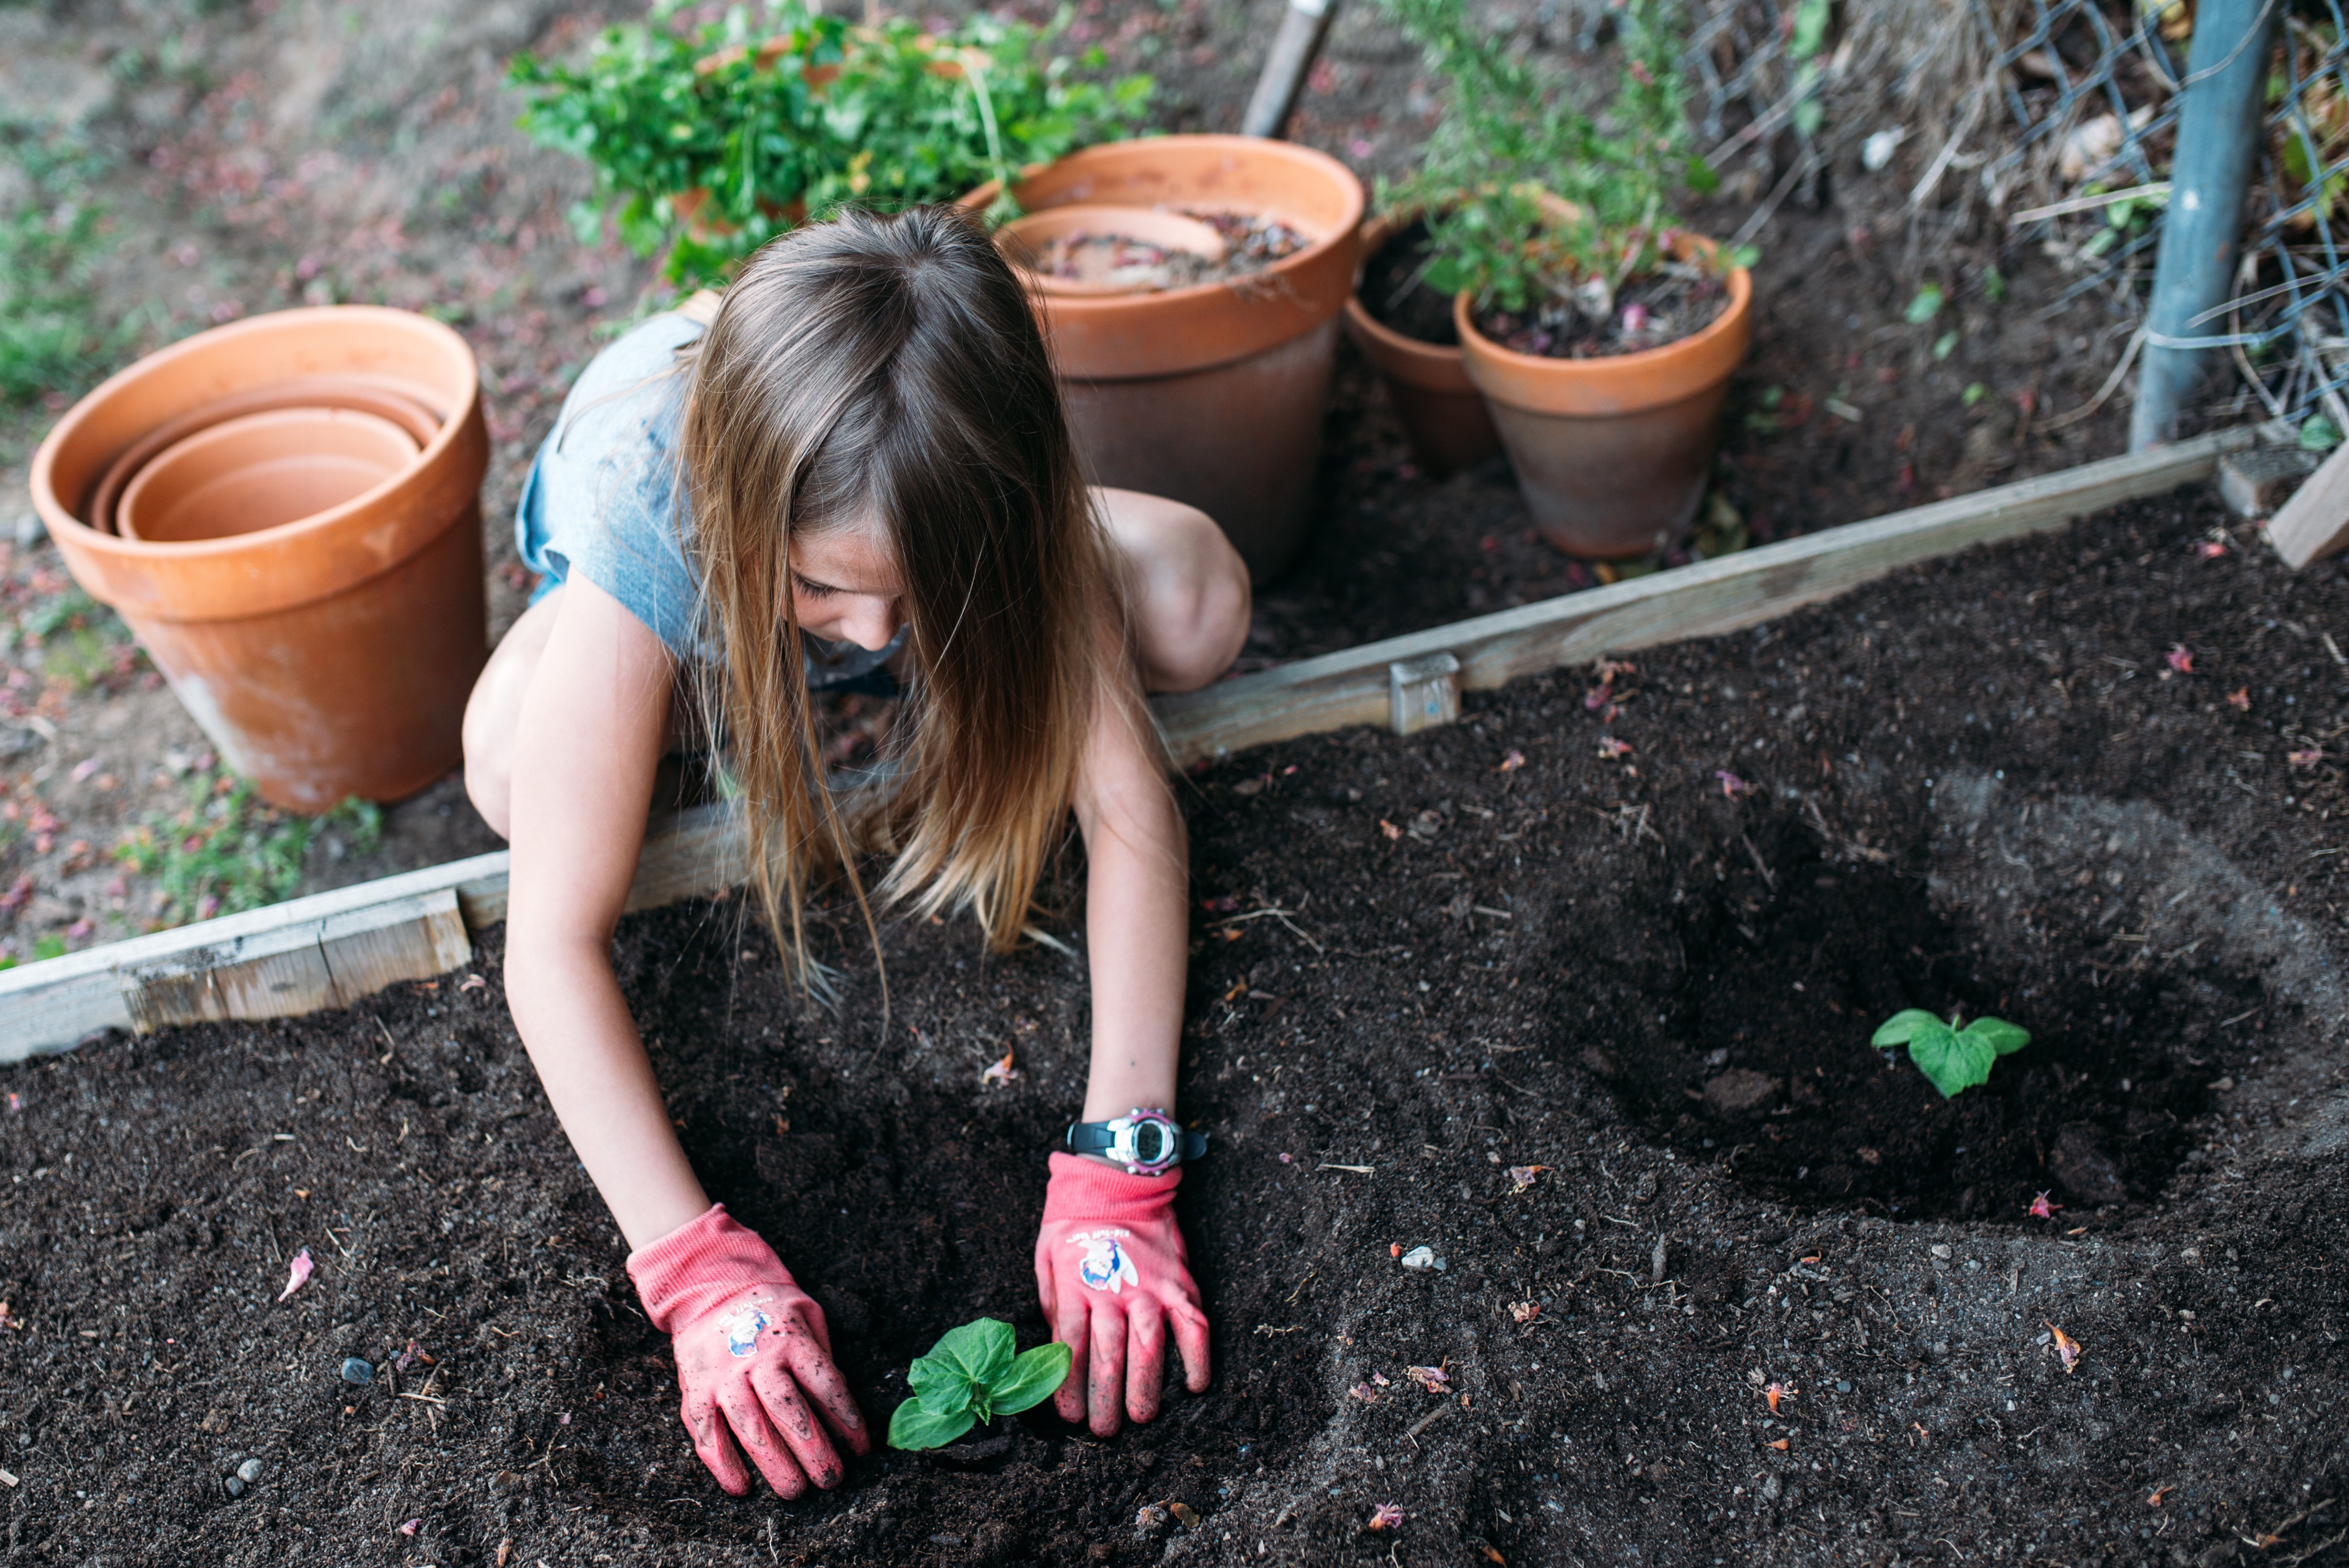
(1421, 1259)
(356, 1373)
(249, 1471)
(233, 1486)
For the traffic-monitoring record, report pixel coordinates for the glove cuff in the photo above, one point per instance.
(1083, 1189)
(699, 1266)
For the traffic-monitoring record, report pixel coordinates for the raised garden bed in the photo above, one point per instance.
(1547, 965)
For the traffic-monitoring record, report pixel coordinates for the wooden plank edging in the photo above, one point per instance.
(328, 949)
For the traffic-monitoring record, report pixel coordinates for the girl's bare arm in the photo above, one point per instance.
(1137, 889)
(590, 737)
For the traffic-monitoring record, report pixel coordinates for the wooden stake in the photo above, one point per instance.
(2314, 523)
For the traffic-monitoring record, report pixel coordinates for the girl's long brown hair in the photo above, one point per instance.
(888, 373)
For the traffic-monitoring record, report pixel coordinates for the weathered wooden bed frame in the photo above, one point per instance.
(332, 948)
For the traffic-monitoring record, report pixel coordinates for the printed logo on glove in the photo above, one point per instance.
(1106, 1265)
(744, 1329)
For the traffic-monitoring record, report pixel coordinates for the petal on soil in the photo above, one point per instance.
(2178, 659)
(410, 1528)
(1610, 748)
(1780, 1445)
(1365, 1393)
(2066, 1347)
(1525, 1311)
(1731, 784)
(1521, 1176)
(2308, 757)
(1387, 1516)
(297, 1273)
(1435, 1379)
(2040, 1209)
(473, 983)
(1512, 760)
(1389, 828)
(2210, 550)
(1000, 1072)
(1775, 1392)
(1380, 1379)
(2240, 699)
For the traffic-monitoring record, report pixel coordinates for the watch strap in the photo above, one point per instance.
(1097, 1138)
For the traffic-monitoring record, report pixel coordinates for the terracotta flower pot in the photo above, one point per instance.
(1612, 453)
(1444, 416)
(327, 655)
(262, 470)
(1212, 394)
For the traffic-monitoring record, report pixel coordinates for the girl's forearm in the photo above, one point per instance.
(576, 1028)
(1137, 888)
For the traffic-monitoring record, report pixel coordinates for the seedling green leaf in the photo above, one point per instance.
(1925, 306)
(1954, 1058)
(1902, 1026)
(972, 1375)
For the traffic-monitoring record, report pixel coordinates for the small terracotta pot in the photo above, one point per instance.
(326, 657)
(1213, 394)
(1612, 453)
(1444, 416)
(261, 471)
(308, 393)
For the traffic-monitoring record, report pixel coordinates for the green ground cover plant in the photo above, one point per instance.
(972, 1376)
(230, 850)
(710, 139)
(1527, 197)
(51, 341)
(1955, 1059)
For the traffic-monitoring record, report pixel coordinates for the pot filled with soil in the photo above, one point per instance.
(1404, 328)
(1601, 331)
(1610, 419)
(286, 511)
(1207, 383)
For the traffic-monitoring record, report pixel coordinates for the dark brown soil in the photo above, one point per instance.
(1394, 289)
(1536, 969)
(1652, 311)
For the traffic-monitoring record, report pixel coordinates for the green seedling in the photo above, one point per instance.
(972, 1376)
(1954, 1058)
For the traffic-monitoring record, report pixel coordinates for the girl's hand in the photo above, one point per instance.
(1112, 1271)
(752, 1354)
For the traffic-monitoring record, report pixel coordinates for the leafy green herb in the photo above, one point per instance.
(1528, 199)
(1954, 1058)
(2319, 434)
(711, 139)
(1945, 345)
(972, 1376)
(1974, 392)
(1925, 306)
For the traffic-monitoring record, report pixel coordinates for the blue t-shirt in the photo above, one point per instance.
(604, 499)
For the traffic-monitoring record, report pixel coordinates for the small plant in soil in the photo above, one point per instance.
(1955, 1059)
(972, 1376)
(1558, 223)
(710, 139)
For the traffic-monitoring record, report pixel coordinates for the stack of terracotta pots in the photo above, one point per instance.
(1211, 393)
(287, 511)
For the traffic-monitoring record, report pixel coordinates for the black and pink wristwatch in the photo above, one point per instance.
(1146, 1142)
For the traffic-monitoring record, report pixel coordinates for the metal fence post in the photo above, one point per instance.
(2219, 130)
(1303, 24)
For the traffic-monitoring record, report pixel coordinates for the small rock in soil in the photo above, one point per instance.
(1151, 1521)
(249, 1471)
(233, 1486)
(356, 1373)
(2087, 1173)
(1419, 1260)
(1740, 1091)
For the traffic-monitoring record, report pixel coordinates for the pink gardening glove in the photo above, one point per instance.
(751, 1355)
(1111, 1268)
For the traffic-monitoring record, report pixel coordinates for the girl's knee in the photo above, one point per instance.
(1194, 621)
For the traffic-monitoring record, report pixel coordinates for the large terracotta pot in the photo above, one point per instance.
(328, 655)
(1612, 453)
(1213, 394)
(1444, 416)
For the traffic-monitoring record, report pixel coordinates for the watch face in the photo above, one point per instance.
(1152, 1141)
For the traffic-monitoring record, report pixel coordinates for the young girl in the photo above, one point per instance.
(861, 463)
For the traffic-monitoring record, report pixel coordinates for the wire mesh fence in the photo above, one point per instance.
(2059, 118)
